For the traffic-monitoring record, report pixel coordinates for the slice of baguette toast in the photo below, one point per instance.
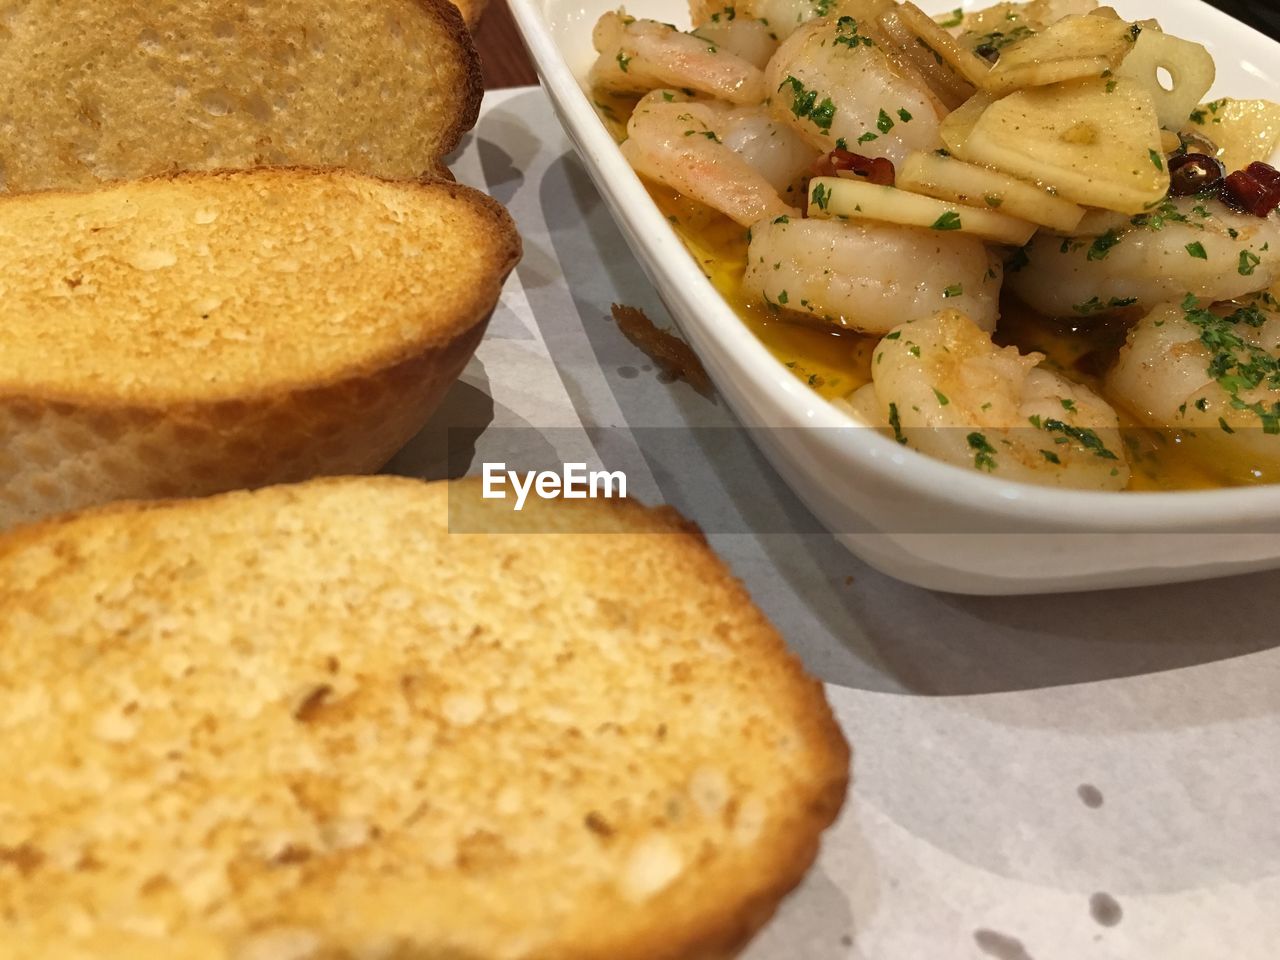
(100, 90)
(194, 334)
(309, 722)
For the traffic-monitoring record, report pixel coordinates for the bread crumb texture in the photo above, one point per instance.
(129, 89)
(192, 287)
(190, 335)
(309, 723)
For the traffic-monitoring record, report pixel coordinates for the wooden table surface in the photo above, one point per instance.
(502, 53)
(506, 64)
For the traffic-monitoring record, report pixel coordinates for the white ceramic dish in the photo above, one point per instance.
(934, 525)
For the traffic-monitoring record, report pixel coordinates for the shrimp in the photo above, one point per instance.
(946, 390)
(870, 276)
(774, 150)
(638, 55)
(785, 16)
(675, 141)
(752, 40)
(1184, 245)
(1213, 375)
(837, 88)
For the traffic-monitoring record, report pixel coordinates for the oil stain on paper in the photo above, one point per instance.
(1089, 795)
(1000, 945)
(1105, 909)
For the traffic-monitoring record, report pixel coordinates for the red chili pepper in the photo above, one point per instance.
(871, 169)
(1264, 172)
(1255, 190)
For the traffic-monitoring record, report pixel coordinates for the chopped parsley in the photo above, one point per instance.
(1082, 435)
(1051, 456)
(896, 424)
(942, 397)
(1096, 305)
(1156, 159)
(984, 454)
(823, 114)
(805, 105)
(1201, 114)
(821, 196)
(904, 115)
(1101, 246)
(948, 221)
(954, 18)
(868, 137)
(884, 123)
(955, 290)
(997, 40)
(1197, 250)
(993, 199)
(1164, 212)
(847, 34)
(1234, 363)
(623, 60)
(1248, 263)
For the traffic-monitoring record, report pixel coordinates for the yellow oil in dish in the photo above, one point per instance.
(832, 361)
(835, 361)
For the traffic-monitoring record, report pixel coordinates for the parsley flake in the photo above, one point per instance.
(984, 454)
(1102, 245)
(896, 424)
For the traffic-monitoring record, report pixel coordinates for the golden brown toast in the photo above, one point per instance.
(194, 334)
(309, 722)
(100, 90)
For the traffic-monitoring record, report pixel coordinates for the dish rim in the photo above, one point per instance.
(920, 474)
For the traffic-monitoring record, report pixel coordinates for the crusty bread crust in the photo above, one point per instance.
(131, 90)
(315, 724)
(94, 435)
(460, 19)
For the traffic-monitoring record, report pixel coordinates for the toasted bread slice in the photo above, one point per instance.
(310, 722)
(100, 90)
(189, 335)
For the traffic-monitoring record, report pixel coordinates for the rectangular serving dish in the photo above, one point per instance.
(915, 518)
